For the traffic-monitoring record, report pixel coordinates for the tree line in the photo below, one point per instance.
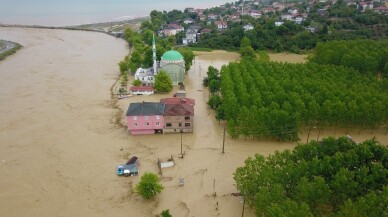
(363, 55)
(336, 177)
(141, 50)
(274, 100)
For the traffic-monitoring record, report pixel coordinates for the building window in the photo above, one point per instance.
(157, 124)
(147, 117)
(147, 124)
(187, 124)
(135, 124)
(180, 124)
(157, 117)
(168, 125)
(134, 118)
(187, 118)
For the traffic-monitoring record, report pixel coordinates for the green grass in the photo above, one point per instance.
(9, 52)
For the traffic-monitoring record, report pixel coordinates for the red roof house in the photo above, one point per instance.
(178, 115)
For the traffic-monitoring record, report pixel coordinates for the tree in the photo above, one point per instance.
(166, 213)
(326, 178)
(163, 82)
(149, 186)
(246, 49)
(136, 83)
(123, 65)
(188, 56)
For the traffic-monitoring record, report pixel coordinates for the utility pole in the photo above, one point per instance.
(181, 146)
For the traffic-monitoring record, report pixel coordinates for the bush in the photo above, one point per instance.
(166, 213)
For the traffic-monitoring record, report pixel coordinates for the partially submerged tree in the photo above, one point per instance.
(149, 186)
(136, 83)
(163, 82)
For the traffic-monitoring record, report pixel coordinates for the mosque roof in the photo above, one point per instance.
(172, 55)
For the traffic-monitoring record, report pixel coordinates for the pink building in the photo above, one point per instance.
(145, 118)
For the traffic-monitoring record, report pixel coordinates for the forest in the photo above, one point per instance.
(268, 100)
(341, 22)
(333, 177)
(363, 55)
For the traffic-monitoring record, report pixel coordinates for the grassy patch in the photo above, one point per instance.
(200, 49)
(10, 52)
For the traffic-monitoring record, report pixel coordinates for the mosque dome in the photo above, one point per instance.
(172, 55)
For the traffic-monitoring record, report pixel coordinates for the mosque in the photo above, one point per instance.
(172, 62)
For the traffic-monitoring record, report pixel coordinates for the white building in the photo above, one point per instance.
(248, 27)
(146, 76)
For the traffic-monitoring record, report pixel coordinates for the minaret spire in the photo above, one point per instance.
(154, 52)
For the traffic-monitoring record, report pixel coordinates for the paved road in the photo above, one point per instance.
(5, 46)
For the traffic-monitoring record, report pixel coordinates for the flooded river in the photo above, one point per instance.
(60, 141)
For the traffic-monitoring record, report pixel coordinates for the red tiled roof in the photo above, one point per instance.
(221, 23)
(176, 101)
(179, 110)
(175, 26)
(206, 30)
(381, 8)
(141, 88)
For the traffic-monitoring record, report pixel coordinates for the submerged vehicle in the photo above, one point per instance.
(129, 169)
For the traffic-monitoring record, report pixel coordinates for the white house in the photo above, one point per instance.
(146, 76)
(365, 6)
(248, 27)
(279, 23)
(191, 37)
(255, 14)
(221, 25)
(286, 16)
(188, 21)
(292, 11)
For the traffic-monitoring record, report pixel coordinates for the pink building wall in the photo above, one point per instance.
(138, 124)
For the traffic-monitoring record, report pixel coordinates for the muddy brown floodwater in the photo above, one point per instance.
(60, 140)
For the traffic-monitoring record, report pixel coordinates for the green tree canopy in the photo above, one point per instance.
(163, 82)
(149, 186)
(334, 176)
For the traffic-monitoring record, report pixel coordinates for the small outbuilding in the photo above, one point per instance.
(142, 90)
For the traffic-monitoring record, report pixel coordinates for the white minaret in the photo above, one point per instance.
(154, 53)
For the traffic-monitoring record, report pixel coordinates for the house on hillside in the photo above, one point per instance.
(172, 29)
(279, 23)
(381, 10)
(145, 118)
(188, 21)
(255, 14)
(365, 6)
(178, 115)
(248, 27)
(206, 31)
(212, 16)
(190, 10)
(221, 25)
(191, 37)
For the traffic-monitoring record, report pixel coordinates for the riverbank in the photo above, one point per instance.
(110, 28)
(8, 48)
